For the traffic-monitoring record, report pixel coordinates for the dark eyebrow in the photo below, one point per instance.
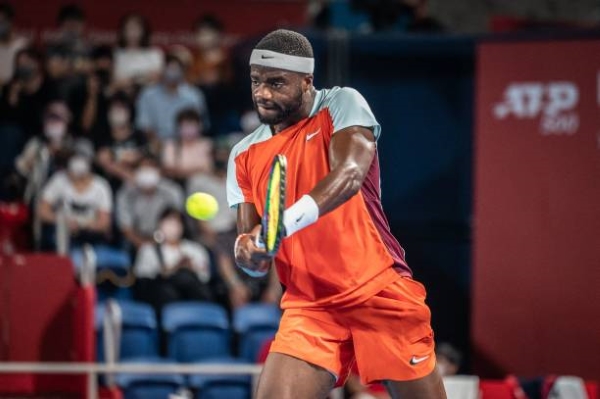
(276, 79)
(269, 79)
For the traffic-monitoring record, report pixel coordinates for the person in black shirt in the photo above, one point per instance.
(120, 147)
(25, 97)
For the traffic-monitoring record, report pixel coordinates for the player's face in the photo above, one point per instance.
(277, 94)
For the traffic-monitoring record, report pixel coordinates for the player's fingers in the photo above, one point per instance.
(256, 230)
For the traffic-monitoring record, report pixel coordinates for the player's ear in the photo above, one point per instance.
(307, 82)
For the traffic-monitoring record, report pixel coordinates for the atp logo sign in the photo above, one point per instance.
(554, 103)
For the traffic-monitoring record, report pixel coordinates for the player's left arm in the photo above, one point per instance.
(351, 153)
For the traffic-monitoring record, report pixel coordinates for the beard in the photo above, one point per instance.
(280, 113)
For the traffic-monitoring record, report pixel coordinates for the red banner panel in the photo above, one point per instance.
(536, 269)
(45, 316)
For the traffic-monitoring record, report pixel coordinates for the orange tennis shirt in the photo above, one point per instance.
(349, 254)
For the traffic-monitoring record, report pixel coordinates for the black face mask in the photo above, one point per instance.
(24, 73)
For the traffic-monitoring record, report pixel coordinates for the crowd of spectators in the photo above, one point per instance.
(111, 139)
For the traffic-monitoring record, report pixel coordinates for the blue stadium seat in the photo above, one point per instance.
(149, 386)
(221, 386)
(107, 257)
(196, 330)
(255, 323)
(139, 335)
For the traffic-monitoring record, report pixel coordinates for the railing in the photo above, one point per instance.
(93, 370)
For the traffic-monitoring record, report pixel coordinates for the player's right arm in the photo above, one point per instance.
(247, 254)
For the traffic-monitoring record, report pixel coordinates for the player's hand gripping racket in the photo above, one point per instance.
(273, 230)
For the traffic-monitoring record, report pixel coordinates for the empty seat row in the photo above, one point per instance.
(194, 330)
(160, 386)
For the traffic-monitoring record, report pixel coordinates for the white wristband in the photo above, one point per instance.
(300, 215)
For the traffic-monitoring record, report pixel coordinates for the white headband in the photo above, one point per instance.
(276, 60)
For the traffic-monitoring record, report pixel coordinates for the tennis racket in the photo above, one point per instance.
(273, 230)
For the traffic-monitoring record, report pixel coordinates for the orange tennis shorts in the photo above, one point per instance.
(389, 336)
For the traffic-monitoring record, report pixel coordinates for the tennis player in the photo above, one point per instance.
(349, 295)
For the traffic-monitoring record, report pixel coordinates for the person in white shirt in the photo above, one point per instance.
(135, 60)
(172, 268)
(85, 198)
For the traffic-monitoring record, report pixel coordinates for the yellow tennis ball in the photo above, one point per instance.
(202, 206)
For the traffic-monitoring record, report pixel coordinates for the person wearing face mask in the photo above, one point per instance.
(10, 43)
(42, 156)
(85, 197)
(136, 61)
(24, 98)
(191, 153)
(158, 105)
(172, 268)
(119, 153)
(141, 201)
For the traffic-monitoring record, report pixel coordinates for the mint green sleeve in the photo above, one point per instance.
(348, 107)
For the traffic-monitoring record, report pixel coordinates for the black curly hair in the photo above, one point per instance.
(286, 42)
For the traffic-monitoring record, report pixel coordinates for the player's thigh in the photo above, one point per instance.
(428, 387)
(286, 377)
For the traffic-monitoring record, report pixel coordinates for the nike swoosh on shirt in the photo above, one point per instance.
(266, 57)
(310, 136)
(416, 360)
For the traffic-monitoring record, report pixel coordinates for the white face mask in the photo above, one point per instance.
(147, 177)
(55, 130)
(78, 166)
(118, 117)
(172, 229)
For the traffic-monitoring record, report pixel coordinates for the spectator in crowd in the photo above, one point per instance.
(10, 43)
(119, 153)
(65, 83)
(45, 154)
(71, 36)
(319, 14)
(85, 198)
(136, 61)
(190, 153)
(25, 97)
(449, 359)
(421, 21)
(172, 268)
(219, 235)
(403, 15)
(211, 64)
(100, 88)
(211, 68)
(159, 104)
(140, 203)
